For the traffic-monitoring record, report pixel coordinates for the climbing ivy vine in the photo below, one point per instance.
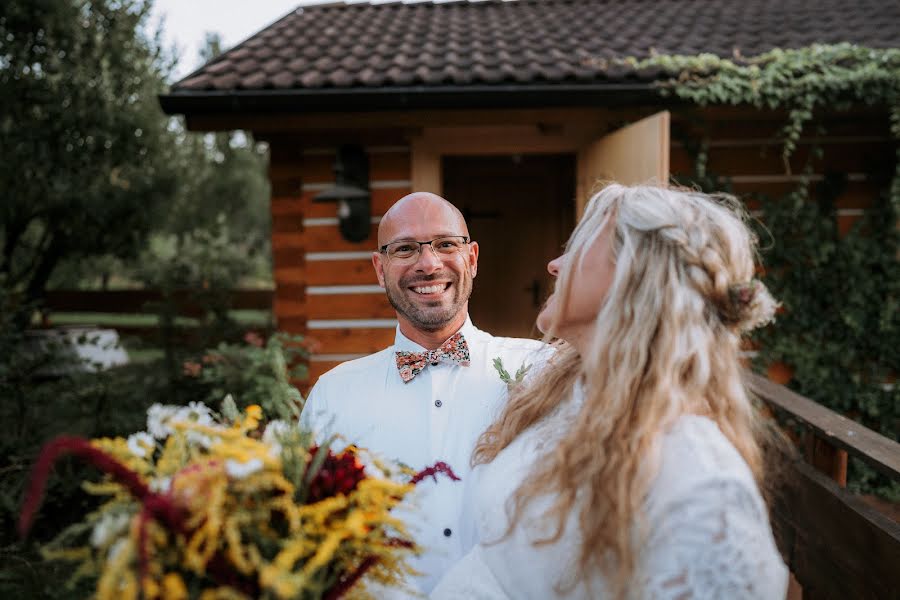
(840, 332)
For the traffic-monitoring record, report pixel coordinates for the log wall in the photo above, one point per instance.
(325, 286)
(748, 153)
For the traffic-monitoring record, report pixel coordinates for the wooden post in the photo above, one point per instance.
(826, 458)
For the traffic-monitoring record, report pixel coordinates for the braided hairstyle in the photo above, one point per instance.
(665, 342)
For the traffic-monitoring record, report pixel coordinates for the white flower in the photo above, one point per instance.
(109, 526)
(239, 470)
(160, 485)
(117, 549)
(195, 412)
(141, 444)
(158, 417)
(162, 417)
(375, 465)
(275, 430)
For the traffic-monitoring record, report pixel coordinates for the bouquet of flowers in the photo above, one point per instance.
(209, 506)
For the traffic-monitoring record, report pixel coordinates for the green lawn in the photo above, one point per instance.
(244, 317)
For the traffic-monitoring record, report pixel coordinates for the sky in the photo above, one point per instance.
(186, 22)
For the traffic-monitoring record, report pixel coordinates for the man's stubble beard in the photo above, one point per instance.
(430, 318)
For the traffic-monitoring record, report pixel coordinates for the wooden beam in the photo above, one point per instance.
(327, 238)
(340, 272)
(826, 458)
(348, 306)
(875, 450)
(381, 200)
(312, 126)
(836, 545)
(136, 301)
(426, 168)
(351, 341)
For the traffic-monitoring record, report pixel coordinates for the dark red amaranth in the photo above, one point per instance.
(160, 506)
(432, 471)
(339, 474)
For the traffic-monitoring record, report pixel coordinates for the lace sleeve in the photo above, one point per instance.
(713, 542)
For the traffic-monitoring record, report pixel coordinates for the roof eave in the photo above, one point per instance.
(236, 102)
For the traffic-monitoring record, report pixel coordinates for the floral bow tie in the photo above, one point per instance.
(454, 350)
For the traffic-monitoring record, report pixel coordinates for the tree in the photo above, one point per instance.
(88, 155)
(224, 176)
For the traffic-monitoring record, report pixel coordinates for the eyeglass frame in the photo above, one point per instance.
(383, 249)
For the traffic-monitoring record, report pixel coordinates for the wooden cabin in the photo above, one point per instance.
(513, 111)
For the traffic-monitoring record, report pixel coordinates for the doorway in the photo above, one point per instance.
(520, 209)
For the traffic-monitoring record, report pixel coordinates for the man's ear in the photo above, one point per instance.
(473, 258)
(379, 267)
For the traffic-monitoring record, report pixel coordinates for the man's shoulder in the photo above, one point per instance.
(518, 347)
(515, 353)
(519, 343)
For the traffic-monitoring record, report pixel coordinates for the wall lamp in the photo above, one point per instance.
(351, 192)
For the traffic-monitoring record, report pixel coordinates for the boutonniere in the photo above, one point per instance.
(506, 378)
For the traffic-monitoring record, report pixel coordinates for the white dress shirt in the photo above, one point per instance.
(437, 416)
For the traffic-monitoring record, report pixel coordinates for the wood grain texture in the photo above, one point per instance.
(635, 154)
(327, 238)
(767, 159)
(348, 306)
(351, 341)
(340, 272)
(877, 451)
(381, 200)
(836, 545)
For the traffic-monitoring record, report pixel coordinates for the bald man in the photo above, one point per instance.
(430, 395)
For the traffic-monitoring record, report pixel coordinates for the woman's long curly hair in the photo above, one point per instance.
(666, 342)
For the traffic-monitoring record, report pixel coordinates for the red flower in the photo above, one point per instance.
(191, 368)
(160, 507)
(254, 339)
(339, 474)
(432, 471)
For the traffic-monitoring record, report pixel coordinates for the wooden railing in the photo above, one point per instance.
(136, 301)
(184, 303)
(836, 544)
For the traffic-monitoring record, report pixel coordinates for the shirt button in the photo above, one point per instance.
(447, 532)
(438, 403)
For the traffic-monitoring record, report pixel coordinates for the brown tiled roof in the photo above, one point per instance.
(428, 46)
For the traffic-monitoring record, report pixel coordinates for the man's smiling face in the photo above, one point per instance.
(431, 290)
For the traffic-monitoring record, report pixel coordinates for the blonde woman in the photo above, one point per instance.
(629, 466)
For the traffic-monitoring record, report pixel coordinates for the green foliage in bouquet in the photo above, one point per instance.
(255, 372)
(109, 403)
(200, 505)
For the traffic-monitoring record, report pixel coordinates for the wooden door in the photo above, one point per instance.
(635, 154)
(520, 209)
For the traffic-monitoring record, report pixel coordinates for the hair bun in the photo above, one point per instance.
(749, 305)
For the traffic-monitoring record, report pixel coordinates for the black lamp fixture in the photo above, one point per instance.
(351, 192)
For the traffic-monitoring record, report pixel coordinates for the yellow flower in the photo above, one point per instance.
(254, 414)
(238, 502)
(173, 587)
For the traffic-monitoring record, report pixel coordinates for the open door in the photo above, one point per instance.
(520, 210)
(637, 153)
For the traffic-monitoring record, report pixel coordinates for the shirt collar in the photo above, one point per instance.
(403, 343)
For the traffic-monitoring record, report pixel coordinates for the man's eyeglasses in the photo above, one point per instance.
(408, 250)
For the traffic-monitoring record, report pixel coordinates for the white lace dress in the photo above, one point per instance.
(709, 534)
